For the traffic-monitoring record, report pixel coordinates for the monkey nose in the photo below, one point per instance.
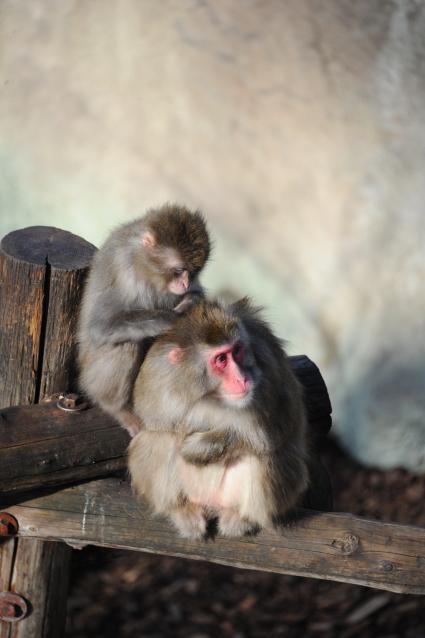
(185, 279)
(244, 383)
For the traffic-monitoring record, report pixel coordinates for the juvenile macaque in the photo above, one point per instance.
(141, 279)
(224, 424)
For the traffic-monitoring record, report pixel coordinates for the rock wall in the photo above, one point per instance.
(296, 126)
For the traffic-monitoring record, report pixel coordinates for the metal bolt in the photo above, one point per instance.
(71, 402)
(8, 524)
(13, 607)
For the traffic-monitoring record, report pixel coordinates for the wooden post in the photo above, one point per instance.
(42, 270)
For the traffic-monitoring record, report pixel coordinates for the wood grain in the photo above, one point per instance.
(42, 445)
(41, 277)
(21, 308)
(337, 547)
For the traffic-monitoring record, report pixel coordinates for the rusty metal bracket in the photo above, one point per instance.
(71, 402)
(13, 607)
(8, 524)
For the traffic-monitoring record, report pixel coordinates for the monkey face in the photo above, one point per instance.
(175, 246)
(167, 271)
(227, 365)
(223, 372)
(178, 283)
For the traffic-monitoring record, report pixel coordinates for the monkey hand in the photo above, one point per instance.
(202, 448)
(189, 300)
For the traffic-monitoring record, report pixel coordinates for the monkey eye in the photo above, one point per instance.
(221, 360)
(177, 272)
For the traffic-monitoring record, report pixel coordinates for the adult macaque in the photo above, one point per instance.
(141, 279)
(224, 424)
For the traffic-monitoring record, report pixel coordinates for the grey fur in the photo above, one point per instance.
(124, 304)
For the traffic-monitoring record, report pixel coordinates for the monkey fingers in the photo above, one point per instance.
(189, 300)
(202, 448)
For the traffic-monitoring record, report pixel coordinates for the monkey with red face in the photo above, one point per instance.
(140, 280)
(225, 423)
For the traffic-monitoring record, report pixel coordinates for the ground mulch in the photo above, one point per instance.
(122, 594)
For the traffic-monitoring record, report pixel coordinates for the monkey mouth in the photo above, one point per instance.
(239, 397)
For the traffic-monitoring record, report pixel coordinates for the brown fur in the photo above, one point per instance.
(207, 323)
(247, 464)
(177, 227)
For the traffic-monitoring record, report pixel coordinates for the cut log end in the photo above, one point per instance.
(43, 245)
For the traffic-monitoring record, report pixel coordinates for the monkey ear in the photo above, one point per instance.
(176, 355)
(148, 239)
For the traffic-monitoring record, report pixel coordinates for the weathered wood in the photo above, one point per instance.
(338, 547)
(7, 550)
(21, 287)
(42, 445)
(42, 270)
(41, 564)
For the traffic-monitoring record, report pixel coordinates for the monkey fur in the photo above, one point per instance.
(234, 452)
(140, 279)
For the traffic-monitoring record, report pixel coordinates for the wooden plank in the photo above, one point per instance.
(6, 560)
(337, 547)
(42, 271)
(42, 445)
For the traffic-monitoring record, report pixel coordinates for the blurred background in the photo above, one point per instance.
(297, 127)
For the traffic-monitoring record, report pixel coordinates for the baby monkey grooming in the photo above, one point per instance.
(224, 423)
(141, 279)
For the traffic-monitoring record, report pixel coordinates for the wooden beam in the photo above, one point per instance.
(337, 547)
(42, 445)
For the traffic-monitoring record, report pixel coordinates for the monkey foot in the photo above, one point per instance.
(190, 521)
(231, 524)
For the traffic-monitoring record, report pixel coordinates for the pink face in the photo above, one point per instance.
(226, 362)
(179, 283)
(177, 277)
